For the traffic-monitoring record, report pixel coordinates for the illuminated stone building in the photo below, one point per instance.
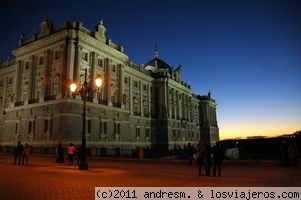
(138, 106)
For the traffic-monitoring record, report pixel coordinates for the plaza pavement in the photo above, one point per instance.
(45, 179)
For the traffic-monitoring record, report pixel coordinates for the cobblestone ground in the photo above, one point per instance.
(44, 179)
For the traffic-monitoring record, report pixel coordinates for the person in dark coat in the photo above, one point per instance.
(18, 153)
(201, 153)
(207, 159)
(218, 156)
(190, 152)
(60, 153)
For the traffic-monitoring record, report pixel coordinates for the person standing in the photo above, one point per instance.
(201, 153)
(25, 154)
(190, 151)
(207, 159)
(18, 153)
(60, 153)
(218, 156)
(71, 151)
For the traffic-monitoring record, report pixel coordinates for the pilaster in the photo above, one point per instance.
(121, 86)
(108, 75)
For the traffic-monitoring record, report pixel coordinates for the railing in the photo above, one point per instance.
(117, 105)
(104, 102)
(31, 101)
(19, 103)
(48, 98)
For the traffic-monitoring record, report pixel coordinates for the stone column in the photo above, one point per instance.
(77, 67)
(93, 76)
(17, 82)
(70, 48)
(121, 86)
(141, 98)
(31, 85)
(108, 80)
(149, 100)
(131, 94)
(177, 114)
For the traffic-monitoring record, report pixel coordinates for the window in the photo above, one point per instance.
(114, 68)
(56, 55)
(85, 56)
(117, 128)
(144, 87)
(30, 127)
(137, 132)
(45, 125)
(89, 126)
(27, 65)
(126, 80)
(99, 62)
(41, 60)
(136, 84)
(105, 127)
(16, 128)
(174, 133)
(147, 133)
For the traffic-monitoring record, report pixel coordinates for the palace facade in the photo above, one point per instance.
(146, 106)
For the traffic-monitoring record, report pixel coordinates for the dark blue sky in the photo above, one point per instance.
(247, 52)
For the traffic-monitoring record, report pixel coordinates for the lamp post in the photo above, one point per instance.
(83, 91)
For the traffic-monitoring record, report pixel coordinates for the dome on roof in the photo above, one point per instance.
(156, 64)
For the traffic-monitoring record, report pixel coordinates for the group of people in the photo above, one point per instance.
(21, 153)
(204, 159)
(71, 151)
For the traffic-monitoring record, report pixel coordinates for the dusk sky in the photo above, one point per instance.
(246, 52)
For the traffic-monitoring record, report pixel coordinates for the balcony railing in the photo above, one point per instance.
(19, 103)
(117, 105)
(31, 101)
(48, 98)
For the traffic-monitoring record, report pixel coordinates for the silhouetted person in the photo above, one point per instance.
(218, 156)
(207, 159)
(190, 152)
(292, 152)
(201, 152)
(25, 154)
(79, 153)
(71, 152)
(284, 154)
(18, 153)
(60, 153)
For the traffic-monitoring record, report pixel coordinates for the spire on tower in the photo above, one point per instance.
(156, 51)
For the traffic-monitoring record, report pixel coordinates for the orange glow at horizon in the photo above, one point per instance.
(246, 130)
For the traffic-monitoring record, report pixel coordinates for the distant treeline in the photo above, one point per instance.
(262, 148)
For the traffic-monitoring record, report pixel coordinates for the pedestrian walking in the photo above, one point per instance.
(190, 152)
(218, 156)
(71, 152)
(60, 153)
(18, 153)
(25, 154)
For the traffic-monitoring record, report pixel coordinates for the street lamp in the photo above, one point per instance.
(83, 91)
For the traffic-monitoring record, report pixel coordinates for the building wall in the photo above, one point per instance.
(133, 108)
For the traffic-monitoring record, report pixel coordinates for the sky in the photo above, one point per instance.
(246, 52)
